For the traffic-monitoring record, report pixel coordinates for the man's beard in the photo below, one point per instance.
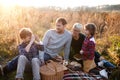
(59, 31)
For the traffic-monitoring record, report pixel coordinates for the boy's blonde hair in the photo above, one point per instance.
(24, 32)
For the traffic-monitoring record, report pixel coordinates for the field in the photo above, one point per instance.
(42, 19)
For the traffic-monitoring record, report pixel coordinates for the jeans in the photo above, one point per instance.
(35, 63)
(11, 66)
(108, 64)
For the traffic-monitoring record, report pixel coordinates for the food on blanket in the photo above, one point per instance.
(78, 57)
(74, 63)
(74, 66)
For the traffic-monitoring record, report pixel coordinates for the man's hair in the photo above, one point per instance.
(24, 32)
(62, 20)
(91, 27)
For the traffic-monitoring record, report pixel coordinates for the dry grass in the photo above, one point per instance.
(40, 20)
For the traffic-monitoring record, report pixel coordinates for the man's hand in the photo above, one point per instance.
(58, 58)
(65, 63)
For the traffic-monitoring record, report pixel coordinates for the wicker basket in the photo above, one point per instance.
(52, 71)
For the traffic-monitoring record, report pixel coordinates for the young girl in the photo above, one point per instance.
(88, 47)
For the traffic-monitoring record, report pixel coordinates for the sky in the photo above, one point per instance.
(59, 3)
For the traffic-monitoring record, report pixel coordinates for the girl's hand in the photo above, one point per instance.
(81, 52)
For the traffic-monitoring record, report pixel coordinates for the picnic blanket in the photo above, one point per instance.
(79, 75)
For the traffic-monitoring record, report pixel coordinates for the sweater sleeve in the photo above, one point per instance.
(67, 48)
(46, 38)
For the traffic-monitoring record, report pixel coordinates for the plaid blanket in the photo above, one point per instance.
(82, 76)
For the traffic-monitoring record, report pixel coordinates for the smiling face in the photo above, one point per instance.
(75, 32)
(90, 29)
(60, 27)
(87, 32)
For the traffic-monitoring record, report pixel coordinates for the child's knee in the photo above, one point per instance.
(22, 57)
(35, 60)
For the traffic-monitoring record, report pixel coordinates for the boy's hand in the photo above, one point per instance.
(81, 52)
(27, 48)
(37, 38)
(32, 38)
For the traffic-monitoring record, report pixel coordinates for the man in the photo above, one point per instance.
(56, 40)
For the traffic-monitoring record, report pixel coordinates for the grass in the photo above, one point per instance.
(11, 76)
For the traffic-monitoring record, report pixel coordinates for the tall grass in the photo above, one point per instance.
(40, 20)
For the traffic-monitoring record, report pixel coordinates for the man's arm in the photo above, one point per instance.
(67, 49)
(46, 38)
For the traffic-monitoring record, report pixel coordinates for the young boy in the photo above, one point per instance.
(28, 54)
(88, 47)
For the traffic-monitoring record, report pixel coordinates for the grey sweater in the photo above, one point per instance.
(54, 43)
